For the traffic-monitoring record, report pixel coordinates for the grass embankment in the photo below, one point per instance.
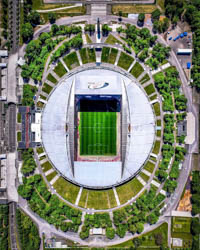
(97, 199)
(125, 61)
(112, 40)
(60, 69)
(71, 60)
(128, 190)
(66, 189)
(150, 89)
(137, 70)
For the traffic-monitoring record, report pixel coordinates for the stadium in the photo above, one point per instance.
(101, 130)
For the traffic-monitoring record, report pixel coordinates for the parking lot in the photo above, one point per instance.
(184, 42)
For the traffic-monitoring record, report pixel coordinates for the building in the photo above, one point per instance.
(184, 52)
(31, 132)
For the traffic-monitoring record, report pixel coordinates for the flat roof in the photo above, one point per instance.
(109, 83)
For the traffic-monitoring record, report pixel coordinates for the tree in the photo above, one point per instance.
(110, 233)
(34, 18)
(141, 17)
(139, 227)
(27, 32)
(51, 17)
(155, 15)
(106, 29)
(120, 15)
(158, 239)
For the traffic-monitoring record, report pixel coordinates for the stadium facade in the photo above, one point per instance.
(98, 90)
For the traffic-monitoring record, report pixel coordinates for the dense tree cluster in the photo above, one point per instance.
(90, 28)
(38, 50)
(97, 221)
(195, 189)
(76, 42)
(29, 164)
(28, 94)
(106, 29)
(4, 18)
(139, 39)
(4, 226)
(48, 206)
(28, 232)
(195, 230)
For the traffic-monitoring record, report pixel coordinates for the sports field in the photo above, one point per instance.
(98, 133)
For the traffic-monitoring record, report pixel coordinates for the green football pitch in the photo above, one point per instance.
(98, 133)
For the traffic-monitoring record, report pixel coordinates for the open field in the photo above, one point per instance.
(137, 70)
(71, 60)
(46, 88)
(149, 89)
(133, 8)
(128, 190)
(66, 189)
(112, 40)
(98, 133)
(125, 61)
(149, 166)
(97, 199)
(112, 56)
(60, 69)
(148, 241)
(145, 78)
(51, 78)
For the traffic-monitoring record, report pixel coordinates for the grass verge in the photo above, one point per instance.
(137, 70)
(60, 69)
(125, 61)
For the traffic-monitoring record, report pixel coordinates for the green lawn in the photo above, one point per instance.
(71, 60)
(156, 147)
(98, 133)
(144, 79)
(46, 88)
(144, 176)
(112, 56)
(153, 97)
(83, 54)
(148, 241)
(158, 133)
(43, 97)
(51, 176)
(105, 54)
(66, 189)
(19, 118)
(158, 122)
(149, 166)
(19, 136)
(128, 190)
(39, 150)
(112, 40)
(60, 69)
(97, 199)
(46, 166)
(82, 201)
(112, 199)
(88, 39)
(137, 70)
(125, 61)
(51, 78)
(91, 55)
(156, 107)
(181, 229)
(149, 89)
